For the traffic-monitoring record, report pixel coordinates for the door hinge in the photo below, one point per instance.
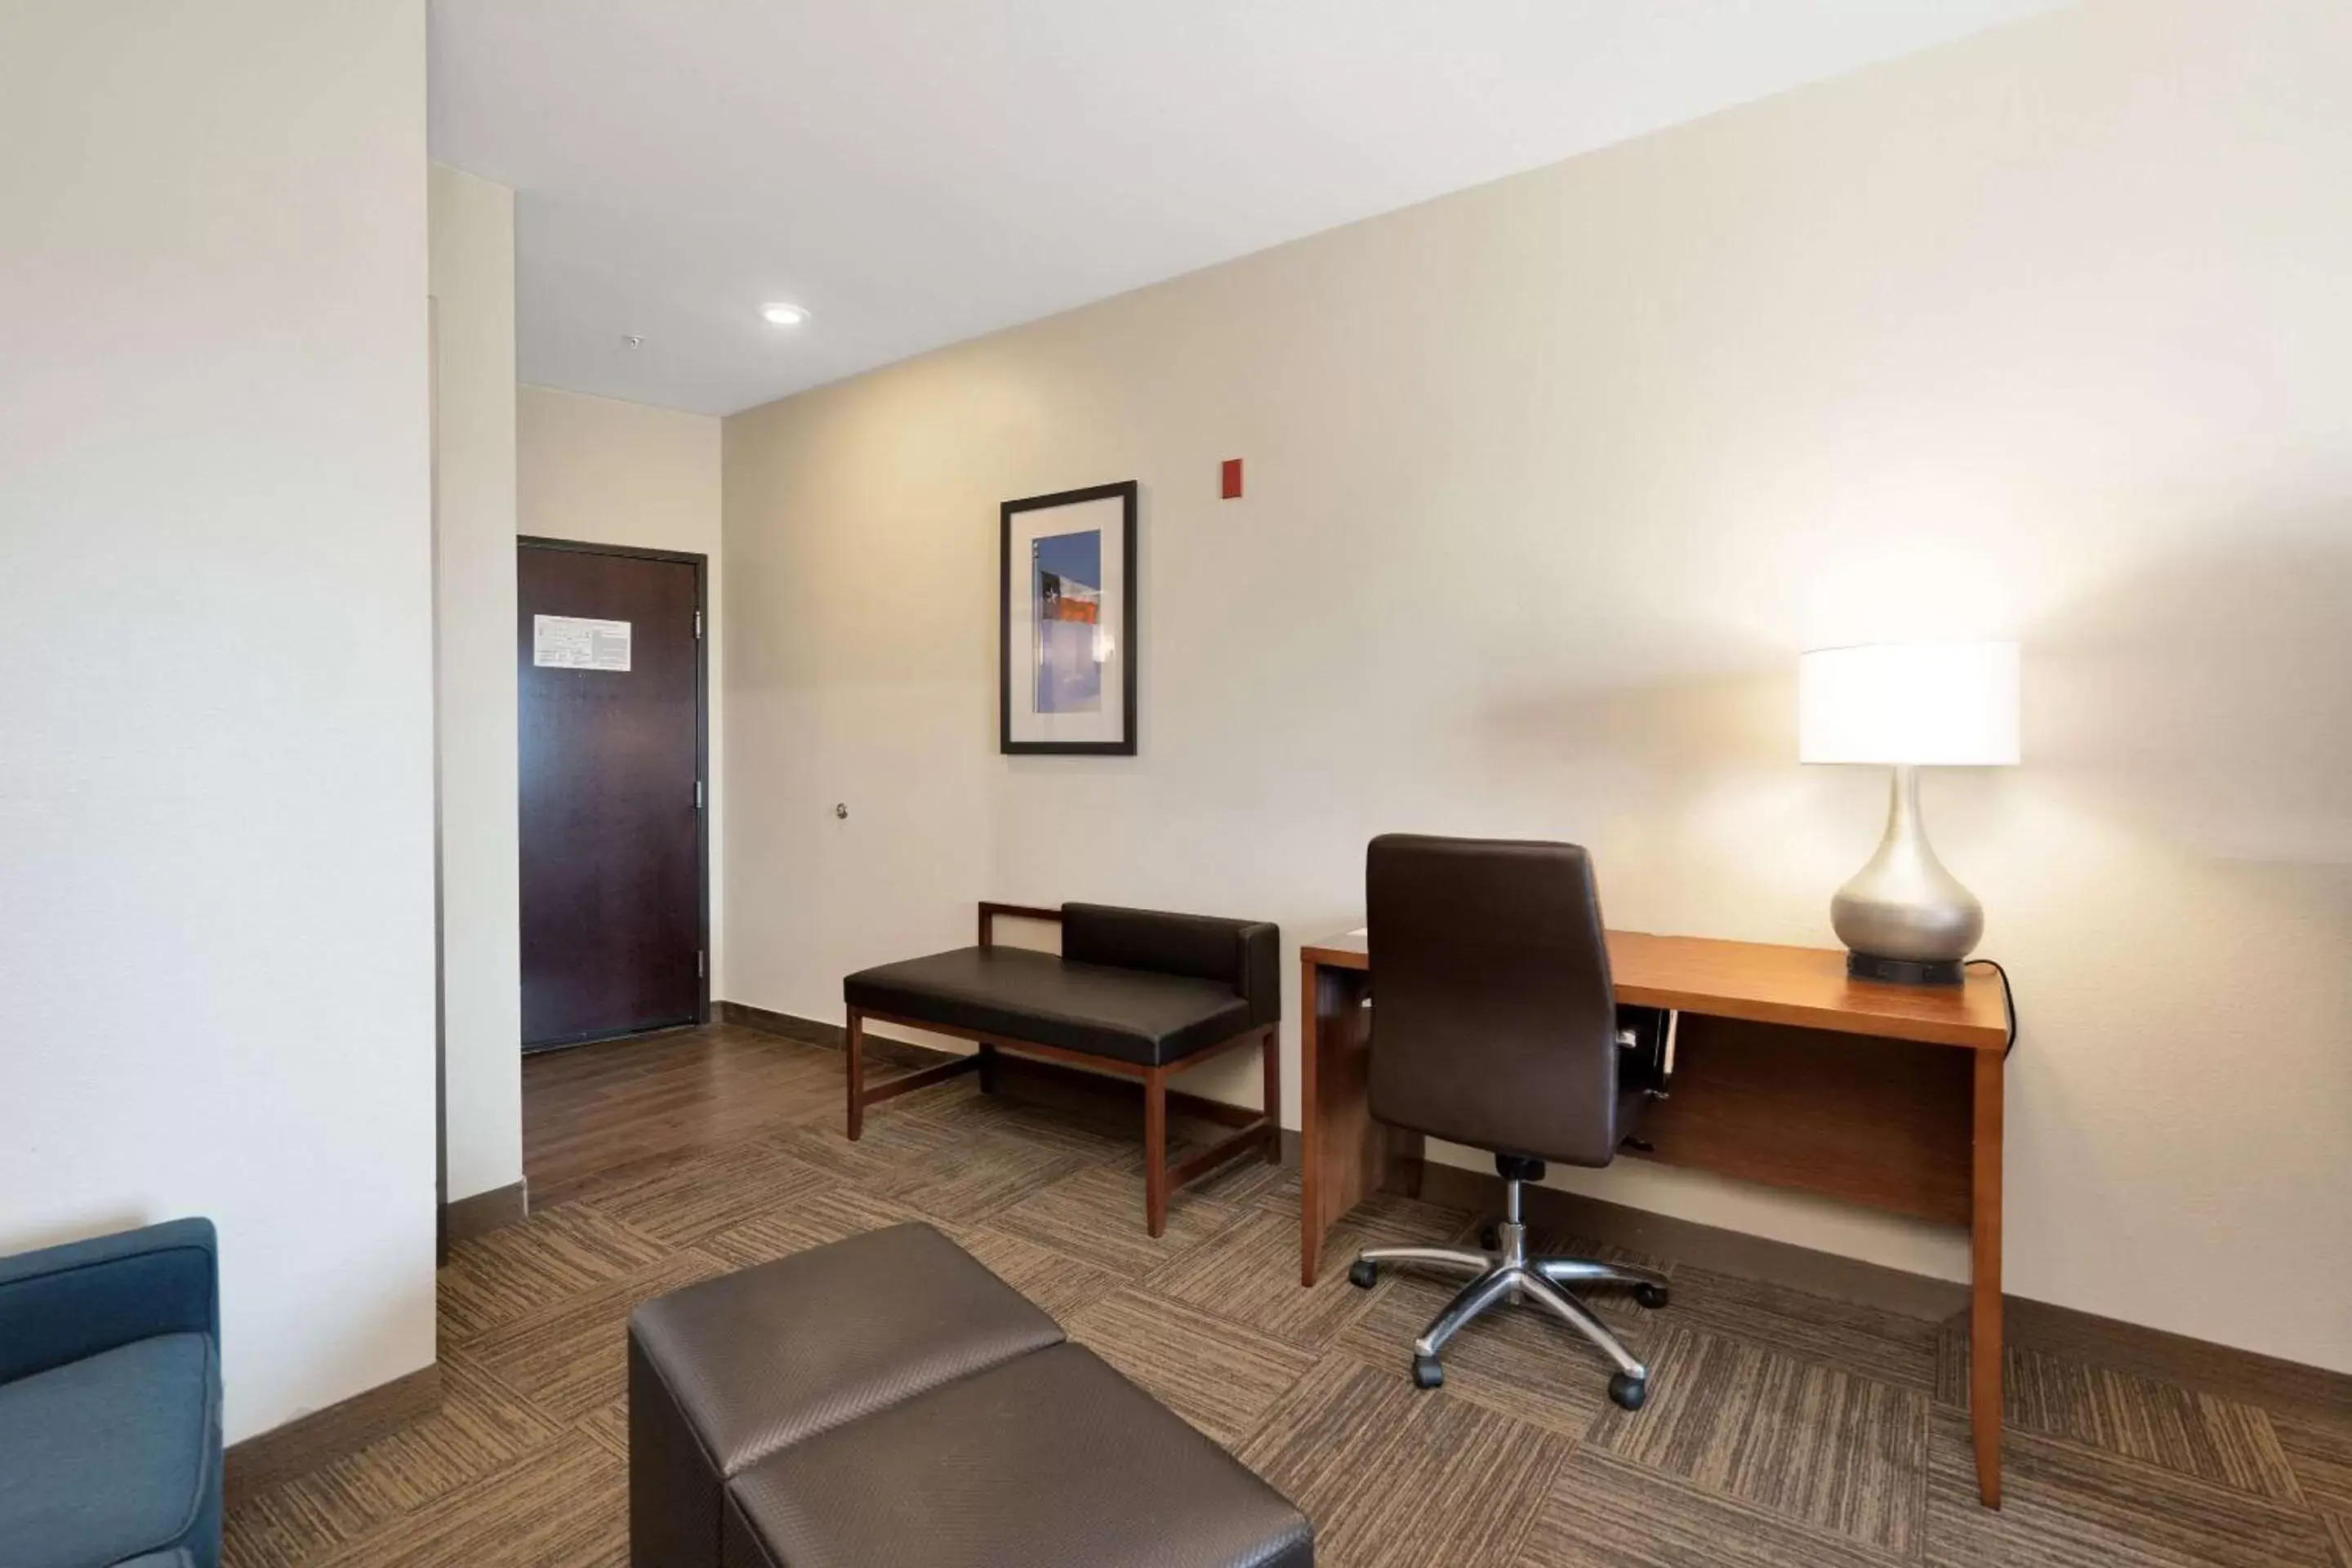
(701, 965)
(698, 625)
(698, 794)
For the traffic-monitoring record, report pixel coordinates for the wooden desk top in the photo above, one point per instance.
(1765, 983)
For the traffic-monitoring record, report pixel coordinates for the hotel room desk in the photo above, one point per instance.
(1786, 1072)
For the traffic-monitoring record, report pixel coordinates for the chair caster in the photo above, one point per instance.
(1629, 1391)
(1651, 1296)
(1363, 1273)
(1490, 1240)
(1426, 1372)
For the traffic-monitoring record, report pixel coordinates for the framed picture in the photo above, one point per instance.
(1067, 630)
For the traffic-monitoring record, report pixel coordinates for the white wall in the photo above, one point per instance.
(473, 617)
(2042, 333)
(216, 620)
(606, 472)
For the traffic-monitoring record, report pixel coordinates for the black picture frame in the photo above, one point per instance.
(1125, 491)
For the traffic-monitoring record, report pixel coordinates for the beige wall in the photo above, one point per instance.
(216, 627)
(2042, 334)
(608, 472)
(474, 674)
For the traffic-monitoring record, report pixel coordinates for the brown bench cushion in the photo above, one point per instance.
(727, 1372)
(1125, 1015)
(1053, 1460)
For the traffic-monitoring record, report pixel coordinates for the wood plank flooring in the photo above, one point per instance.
(1782, 1431)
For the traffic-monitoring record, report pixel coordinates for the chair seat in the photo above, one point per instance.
(1125, 1015)
(1054, 1458)
(103, 1460)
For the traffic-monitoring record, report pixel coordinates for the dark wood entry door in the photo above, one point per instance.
(609, 655)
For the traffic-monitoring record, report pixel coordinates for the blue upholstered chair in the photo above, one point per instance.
(110, 1402)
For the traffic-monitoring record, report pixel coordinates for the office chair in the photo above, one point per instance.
(1494, 1025)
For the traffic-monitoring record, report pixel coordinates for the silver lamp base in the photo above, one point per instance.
(1903, 917)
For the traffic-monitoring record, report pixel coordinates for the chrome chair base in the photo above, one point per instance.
(1507, 1274)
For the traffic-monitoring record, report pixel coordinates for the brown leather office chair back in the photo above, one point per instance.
(1494, 1023)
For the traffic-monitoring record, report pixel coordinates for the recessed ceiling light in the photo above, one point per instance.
(783, 315)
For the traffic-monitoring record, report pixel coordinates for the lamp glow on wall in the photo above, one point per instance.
(1903, 917)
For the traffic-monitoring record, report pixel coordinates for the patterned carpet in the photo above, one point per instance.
(1782, 1429)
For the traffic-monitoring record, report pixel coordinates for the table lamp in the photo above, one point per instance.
(1903, 917)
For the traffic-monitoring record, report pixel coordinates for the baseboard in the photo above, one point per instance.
(744, 1015)
(2289, 1388)
(1708, 1247)
(2286, 1387)
(309, 1442)
(485, 1212)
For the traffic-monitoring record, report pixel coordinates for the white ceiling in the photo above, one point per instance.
(917, 171)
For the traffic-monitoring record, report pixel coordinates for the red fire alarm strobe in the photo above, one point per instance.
(1232, 481)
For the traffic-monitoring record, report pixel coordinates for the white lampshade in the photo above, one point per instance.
(1944, 704)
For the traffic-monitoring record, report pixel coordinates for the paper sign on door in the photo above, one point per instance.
(570, 642)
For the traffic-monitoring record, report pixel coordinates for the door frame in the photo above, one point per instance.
(702, 564)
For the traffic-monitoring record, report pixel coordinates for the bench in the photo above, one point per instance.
(1136, 993)
(888, 1400)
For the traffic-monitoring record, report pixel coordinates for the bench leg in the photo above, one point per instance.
(988, 1069)
(1270, 1055)
(1155, 1150)
(856, 1045)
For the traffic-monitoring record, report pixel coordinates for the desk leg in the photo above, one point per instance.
(1984, 1303)
(1345, 1156)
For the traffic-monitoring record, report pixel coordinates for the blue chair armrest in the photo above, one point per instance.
(62, 1303)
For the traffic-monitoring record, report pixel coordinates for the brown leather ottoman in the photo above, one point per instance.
(724, 1373)
(1049, 1460)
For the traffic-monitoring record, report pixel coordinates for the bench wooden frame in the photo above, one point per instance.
(1159, 1180)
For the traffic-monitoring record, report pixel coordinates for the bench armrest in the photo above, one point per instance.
(1261, 971)
(63, 1303)
(1243, 954)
